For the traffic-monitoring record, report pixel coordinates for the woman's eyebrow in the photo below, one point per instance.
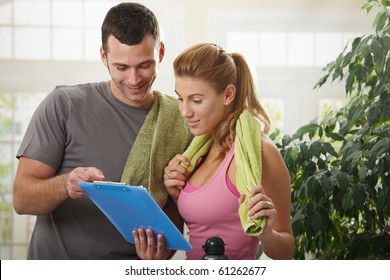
(191, 95)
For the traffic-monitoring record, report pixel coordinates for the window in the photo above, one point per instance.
(15, 114)
(300, 49)
(275, 110)
(328, 45)
(56, 30)
(290, 62)
(288, 49)
(327, 104)
(246, 42)
(273, 50)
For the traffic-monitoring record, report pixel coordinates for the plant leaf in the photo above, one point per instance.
(347, 200)
(373, 116)
(329, 149)
(336, 136)
(342, 181)
(380, 20)
(349, 83)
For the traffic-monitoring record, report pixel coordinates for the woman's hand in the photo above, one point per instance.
(146, 248)
(175, 176)
(260, 205)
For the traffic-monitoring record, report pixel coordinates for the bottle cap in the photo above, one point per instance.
(214, 246)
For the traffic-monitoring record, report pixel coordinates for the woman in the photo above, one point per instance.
(213, 89)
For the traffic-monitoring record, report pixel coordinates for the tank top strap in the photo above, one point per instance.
(228, 159)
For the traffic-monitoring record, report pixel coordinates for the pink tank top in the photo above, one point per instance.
(212, 210)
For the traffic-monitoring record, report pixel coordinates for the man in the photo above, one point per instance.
(119, 130)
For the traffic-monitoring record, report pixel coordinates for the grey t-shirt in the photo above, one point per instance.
(82, 125)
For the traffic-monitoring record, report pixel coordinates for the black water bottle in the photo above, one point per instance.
(214, 249)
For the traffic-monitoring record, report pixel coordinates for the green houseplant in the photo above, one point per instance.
(340, 164)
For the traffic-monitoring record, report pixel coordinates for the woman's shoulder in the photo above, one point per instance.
(267, 144)
(270, 152)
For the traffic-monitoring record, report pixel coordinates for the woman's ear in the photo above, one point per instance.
(230, 94)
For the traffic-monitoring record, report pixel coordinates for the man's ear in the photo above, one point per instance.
(103, 56)
(230, 94)
(161, 52)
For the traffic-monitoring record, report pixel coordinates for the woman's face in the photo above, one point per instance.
(202, 107)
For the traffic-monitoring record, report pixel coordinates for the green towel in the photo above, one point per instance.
(248, 160)
(200, 145)
(247, 152)
(163, 135)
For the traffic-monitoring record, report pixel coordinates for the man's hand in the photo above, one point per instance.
(85, 174)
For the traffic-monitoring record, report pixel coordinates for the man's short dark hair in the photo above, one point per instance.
(129, 23)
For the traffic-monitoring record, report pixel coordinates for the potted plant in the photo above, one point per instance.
(340, 164)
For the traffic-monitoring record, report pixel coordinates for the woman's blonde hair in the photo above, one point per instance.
(210, 63)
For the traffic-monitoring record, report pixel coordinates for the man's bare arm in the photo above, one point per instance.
(37, 190)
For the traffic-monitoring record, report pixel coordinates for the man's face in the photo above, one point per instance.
(133, 69)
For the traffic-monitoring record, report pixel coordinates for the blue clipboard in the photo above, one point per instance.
(132, 207)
